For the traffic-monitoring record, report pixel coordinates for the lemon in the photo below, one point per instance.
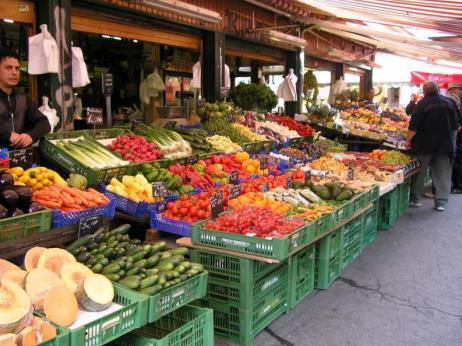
(24, 179)
(38, 186)
(32, 182)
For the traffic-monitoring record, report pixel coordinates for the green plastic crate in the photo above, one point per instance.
(277, 248)
(324, 224)
(374, 193)
(370, 226)
(187, 326)
(301, 275)
(61, 339)
(344, 212)
(176, 296)
(388, 210)
(231, 270)
(17, 227)
(241, 326)
(351, 240)
(326, 270)
(403, 196)
(361, 201)
(329, 246)
(132, 315)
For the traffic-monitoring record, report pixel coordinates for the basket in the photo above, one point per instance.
(21, 226)
(187, 326)
(277, 248)
(351, 240)
(388, 210)
(301, 275)
(132, 315)
(369, 226)
(165, 224)
(326, 269)
(61, 219)
(176, 296)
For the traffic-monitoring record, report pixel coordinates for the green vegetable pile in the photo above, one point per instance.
(197, 139)
(78, 181)
(174, 184)
(252, 96)
(148, 268)
(222, 127)
(395, 158)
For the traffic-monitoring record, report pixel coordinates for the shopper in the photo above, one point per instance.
(22, 123)
(411, 105)
(431, 136)
(454, 93)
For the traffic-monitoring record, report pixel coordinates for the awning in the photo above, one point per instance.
(419, 78)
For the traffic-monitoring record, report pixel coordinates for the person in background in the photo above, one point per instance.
(411, 105)
(431, 136)
(369, 100)
(22, 123)
(454, 93)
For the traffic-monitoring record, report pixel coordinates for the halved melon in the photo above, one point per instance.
(96, 293)
(16, 276)
(54, 258)
(73, 274)
(8, 340)
(7, 266)
(15, 308)
(32, 256)
(38, 282)
(27, 337)
(60, 306)
(44, 330)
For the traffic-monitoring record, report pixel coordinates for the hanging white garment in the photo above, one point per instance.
(43, 53)
(49, 113)
(155, 84)
(79, 69)
(144, 96)
(288, 88)
(338, 87)
(196, 81)
(227, 77)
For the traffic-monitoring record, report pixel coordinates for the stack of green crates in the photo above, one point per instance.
(403, 196)
(369, 226)
(351, 241)
(245, 295)
(301, 275)
(388, 210)
(328, 259)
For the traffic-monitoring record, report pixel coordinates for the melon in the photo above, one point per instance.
(16, 276)
(73, 274)
(95, 293)
(32, 256)
(8, 340)
(54, 258)
(38, 282)
(44, 330)
(15, 308)
(60, 306)
(7, 266)
(27, 337)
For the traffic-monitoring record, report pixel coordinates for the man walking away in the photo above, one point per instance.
(431, 137)
(454, 93)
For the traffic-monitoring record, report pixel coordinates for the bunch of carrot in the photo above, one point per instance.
(69, 199)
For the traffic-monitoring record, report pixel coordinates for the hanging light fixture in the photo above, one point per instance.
(184, 9)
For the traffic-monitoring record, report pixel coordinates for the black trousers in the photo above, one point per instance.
(457, 165)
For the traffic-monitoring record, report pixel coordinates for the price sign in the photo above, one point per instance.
(216, 204)
(234, 178)
(234, 191)
(170, 124)
(89, 224)
(21, 158)
(192, 159)
(264, 162)
(107, 83)
(94, 116)
(307, 175)
(159, 189)
(264, 187)
(290, 182)
(350, 171)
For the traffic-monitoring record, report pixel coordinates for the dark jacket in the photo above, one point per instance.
(18, 113)
(434, 119)
(410, 107)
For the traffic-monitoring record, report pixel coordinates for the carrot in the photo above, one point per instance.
(49, 204)
(69, 210)
(66, 198)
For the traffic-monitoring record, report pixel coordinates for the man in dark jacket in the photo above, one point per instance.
(22, 123)
(431, 136)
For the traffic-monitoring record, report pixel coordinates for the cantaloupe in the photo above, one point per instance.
(60, 306)
(95, 293)
(27, 337)
(44, 330)
(73, 274)
(54, 258)
(7, 266)
(38, 282)
(15, 308)
(8, 340)
(16, 276)
(32, 256)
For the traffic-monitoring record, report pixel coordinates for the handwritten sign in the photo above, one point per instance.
(289, 182)
(350, 171)
(21, 158)
(108, 83)
(94, 116)
(264, 187)
(216, 204)
(234, 178)
(234, 191)
(89, 224)
(159, 189)
(307, 175)
(264, 162)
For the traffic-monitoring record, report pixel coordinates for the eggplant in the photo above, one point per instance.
(9, 197)
(24, 194)
(34, 207)
(6, 179)
(3, 212)
(16, 212)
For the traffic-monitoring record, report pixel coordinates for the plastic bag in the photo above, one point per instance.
(43, 53)
(50, 113)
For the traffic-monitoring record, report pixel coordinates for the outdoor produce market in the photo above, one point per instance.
(199, 173)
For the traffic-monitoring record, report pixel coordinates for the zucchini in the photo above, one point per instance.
(152, 261)
(152, 271)
(83, 257)
(97, 268)
(113, 277)
(134, 271)
(165, 267)
(138, 256)
(132, 282)
(152, 290)
(179, 251)
(112, 268)
(122, 229)
(149, 281)
(103, 261)
(96, 293)
(80, 242)
(156, 247)
(197, 266)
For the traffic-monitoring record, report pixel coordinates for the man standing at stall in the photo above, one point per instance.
(21, 122)
(431, 137)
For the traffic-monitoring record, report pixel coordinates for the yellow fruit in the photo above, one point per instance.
(38, 186)
(39, 177)
(17, 171)
(24, 179)
(32, 182)
(46, 182)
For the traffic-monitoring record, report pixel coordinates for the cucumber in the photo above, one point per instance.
(158, 246)
(122, 273)
(98, 237)
(80, 242)
(94, 251)
(113, 277)
(192, 272)
(165, 267)
(138, 255)
(152, 271)
(122, 263)
(103, 261)
(99, 256)
(83, 257)
(133, 249)
(179, 251)
(92, 261)
(108, 253)
(122, 229)
(152, 290)
(177, 281)
(132, 282)
(112, 268)
(134, 271)
(142, 275)
(170, 275)
(97, 268)
(168, 284)
(165, 255)
(135, 241)
(149, 281)
(180, 269)
(75, 252)
(186, 264)
(147, 248)
(128, 265)
(119, 252)
(197, 266)
(92, 245)
(152, 261)
(175, 260)
(140, 263)
(102, 248)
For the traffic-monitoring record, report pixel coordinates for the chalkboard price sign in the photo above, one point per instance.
(159, 189)
(234, 191)
(350, 171)
(264, 162)
(307, 175)
(21, 158)
(89, 224)
(94, 116)
(264, 187)
(216, 204)
(234, 178)
(290, 182)
(193, 159)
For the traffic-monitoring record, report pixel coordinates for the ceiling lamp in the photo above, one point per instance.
(184, 9)
(285, 38)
